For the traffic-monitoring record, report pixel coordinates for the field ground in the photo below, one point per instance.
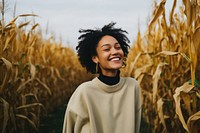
(53, 122)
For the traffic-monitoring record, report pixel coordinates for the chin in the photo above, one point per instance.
(117, 67)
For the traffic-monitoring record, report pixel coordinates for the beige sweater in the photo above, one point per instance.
(99, 108)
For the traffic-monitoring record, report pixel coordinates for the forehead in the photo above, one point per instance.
(107, 39)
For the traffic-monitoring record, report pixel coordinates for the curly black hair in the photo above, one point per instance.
(89, 40)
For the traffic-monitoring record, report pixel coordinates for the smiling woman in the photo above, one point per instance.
(109, 56)
(108, 103)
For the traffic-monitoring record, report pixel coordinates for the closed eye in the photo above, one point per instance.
(106, 49)
(118, 47)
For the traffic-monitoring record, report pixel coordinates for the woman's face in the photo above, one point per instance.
(109, 55)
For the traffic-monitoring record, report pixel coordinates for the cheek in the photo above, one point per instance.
(122, 52)
(101, 56)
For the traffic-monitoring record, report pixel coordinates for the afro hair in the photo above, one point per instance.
(89, 39)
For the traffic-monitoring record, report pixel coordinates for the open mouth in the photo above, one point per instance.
(115, 59)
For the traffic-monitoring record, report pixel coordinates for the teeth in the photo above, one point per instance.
(114, 59)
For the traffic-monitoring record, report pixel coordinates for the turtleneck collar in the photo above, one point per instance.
(109, 80)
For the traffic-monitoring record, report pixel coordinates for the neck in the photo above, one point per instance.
(110, 73)
(109, 80)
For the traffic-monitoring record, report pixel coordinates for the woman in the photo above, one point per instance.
(108, 103)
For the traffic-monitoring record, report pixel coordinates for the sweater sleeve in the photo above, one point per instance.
(73, 123)
(138, 108)
(76, 116)
(69, 122)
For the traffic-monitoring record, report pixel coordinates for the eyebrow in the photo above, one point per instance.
(109, 44)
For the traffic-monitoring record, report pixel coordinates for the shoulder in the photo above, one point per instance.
(132, 83)
(130, 80)
(84, 85)
(82, 88)
(78, 98)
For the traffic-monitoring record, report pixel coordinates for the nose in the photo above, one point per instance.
(114, 51)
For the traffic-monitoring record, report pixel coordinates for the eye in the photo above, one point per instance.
(118, 47)
(106, 49)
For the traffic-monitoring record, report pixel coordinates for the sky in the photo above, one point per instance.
(64, 18)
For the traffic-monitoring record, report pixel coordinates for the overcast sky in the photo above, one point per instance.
(65, 17)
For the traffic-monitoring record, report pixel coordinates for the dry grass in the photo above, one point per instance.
(36, 75)
(166, 63)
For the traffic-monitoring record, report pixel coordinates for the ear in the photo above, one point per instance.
(95, 59)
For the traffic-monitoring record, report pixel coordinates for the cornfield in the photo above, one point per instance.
(166, 63)
(37, 75)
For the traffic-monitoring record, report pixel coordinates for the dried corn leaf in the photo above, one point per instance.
(194, 49)
(9, 40)
(192, 119)
(32, 71)
(186, 87)
(34, 26)
(186, 57)
(58, 74)
(187, 11)
(156, 78)
(8, 72)
(167, 53)
(21, 116)
(187, 101)
(196, 37)
(5, 114)
(30, 53)
(172, 12)
(160, 113)
(24, 24)
(194, 11)
(53, 75)
(33, 41)
(142, 70)
(139, 45)
(159, 12)
(23, 84)
(193, 56)
(11, 22)
(132, 64)
(26, 15)
(29, 105)
(34, 94)
(23, 15)
(44, 85)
